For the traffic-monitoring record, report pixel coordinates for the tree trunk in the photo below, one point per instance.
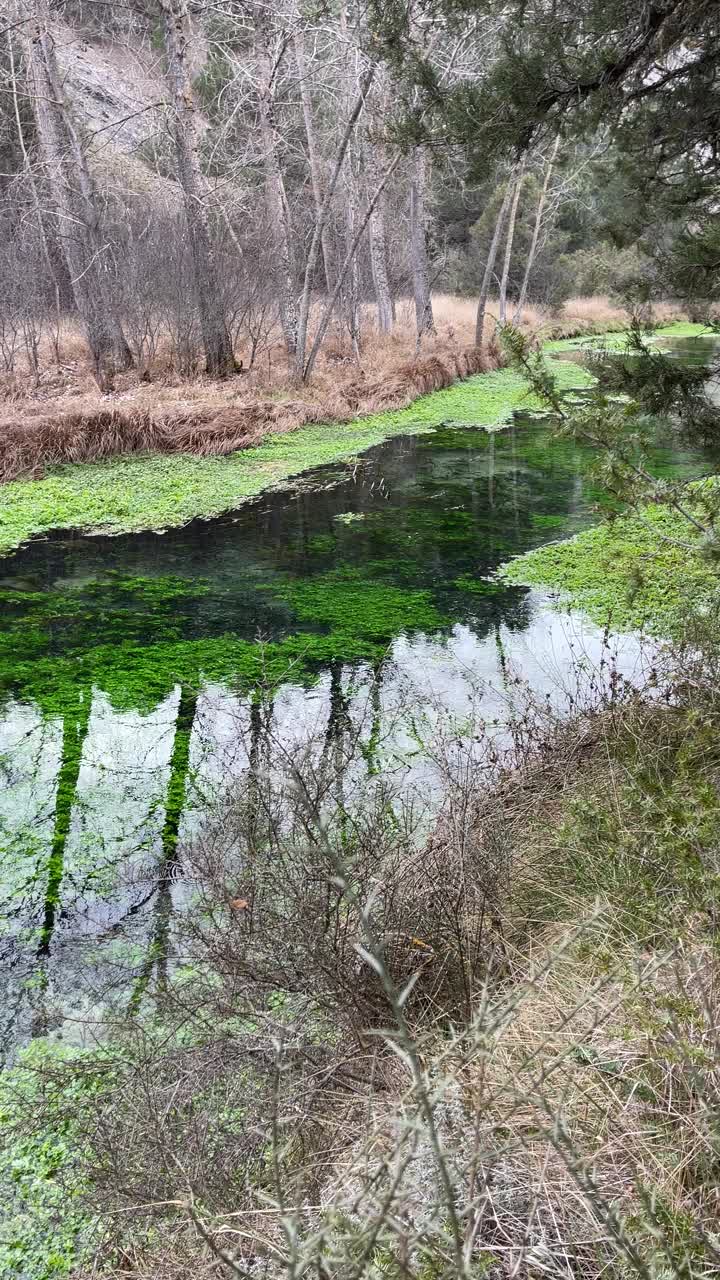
(345, 266)
(321, 222)
(536, 231)
(509, 244)
(314, 159)
(378, 247)
(490, 266)
(27, 164)
(418, 246)
(352, 299)
(75, 205)
(177, 35)
(275, 196)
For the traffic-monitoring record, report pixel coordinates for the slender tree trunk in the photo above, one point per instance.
(177, 34)
(75, 203)
(418, 245)
(490, 266)
(536, 231)
(378, 247)
(321, 222)
(278, 209)
(349, 258)
(314, 159)
(26, 161)
(47, 256)
(509, 244)
(352, 301)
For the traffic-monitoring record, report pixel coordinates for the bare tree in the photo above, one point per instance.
(322, 214)
(27, 165)
(177, 34)
(74, 200)
(345, 267)
(536, 230)
(278, 209)
(490, 264)
(418, 245)
(314, 162)
(378, 232)
(509, 243)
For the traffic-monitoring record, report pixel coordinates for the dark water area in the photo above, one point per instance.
(141, 675)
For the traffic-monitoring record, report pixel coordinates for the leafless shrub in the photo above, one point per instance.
(377, 1056)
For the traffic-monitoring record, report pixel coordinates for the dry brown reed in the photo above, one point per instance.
(64, 418)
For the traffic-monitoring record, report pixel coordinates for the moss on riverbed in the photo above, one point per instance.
(634, 572)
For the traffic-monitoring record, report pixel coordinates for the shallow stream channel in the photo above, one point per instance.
(142, 675)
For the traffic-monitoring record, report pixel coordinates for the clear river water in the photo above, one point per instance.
(140, 674)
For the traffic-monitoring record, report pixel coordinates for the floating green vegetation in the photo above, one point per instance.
(129, 637)
(130, 494)
(635, 571)
(478, 586)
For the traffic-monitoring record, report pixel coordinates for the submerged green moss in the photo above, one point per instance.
(478, 586)
(633, 572)
(346, 602)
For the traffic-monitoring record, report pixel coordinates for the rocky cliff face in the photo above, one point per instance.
(115, 89)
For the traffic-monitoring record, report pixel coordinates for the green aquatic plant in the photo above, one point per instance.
(46, 1231)
(478, 586)
(155, 492)
(346, 602)
(642, 570)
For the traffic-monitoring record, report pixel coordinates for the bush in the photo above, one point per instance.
(603, 269)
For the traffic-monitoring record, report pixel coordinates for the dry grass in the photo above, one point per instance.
(63, 417)
(578, 316)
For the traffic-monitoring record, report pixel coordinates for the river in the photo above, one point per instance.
(142, 674)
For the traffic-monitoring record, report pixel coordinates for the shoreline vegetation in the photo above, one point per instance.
(520, 1039)
(642, 571)
(156, 491)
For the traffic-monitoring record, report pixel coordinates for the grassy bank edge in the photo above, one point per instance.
(155, 492)
(632, 573)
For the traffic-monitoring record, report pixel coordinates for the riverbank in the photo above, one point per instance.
(130, 494)
(642, 571)
(547, 1081)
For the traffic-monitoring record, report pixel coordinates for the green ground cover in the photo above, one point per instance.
(645, 570)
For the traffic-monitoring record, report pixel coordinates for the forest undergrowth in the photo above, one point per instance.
(487, 1046)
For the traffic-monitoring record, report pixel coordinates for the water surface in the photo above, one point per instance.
(140, 674)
